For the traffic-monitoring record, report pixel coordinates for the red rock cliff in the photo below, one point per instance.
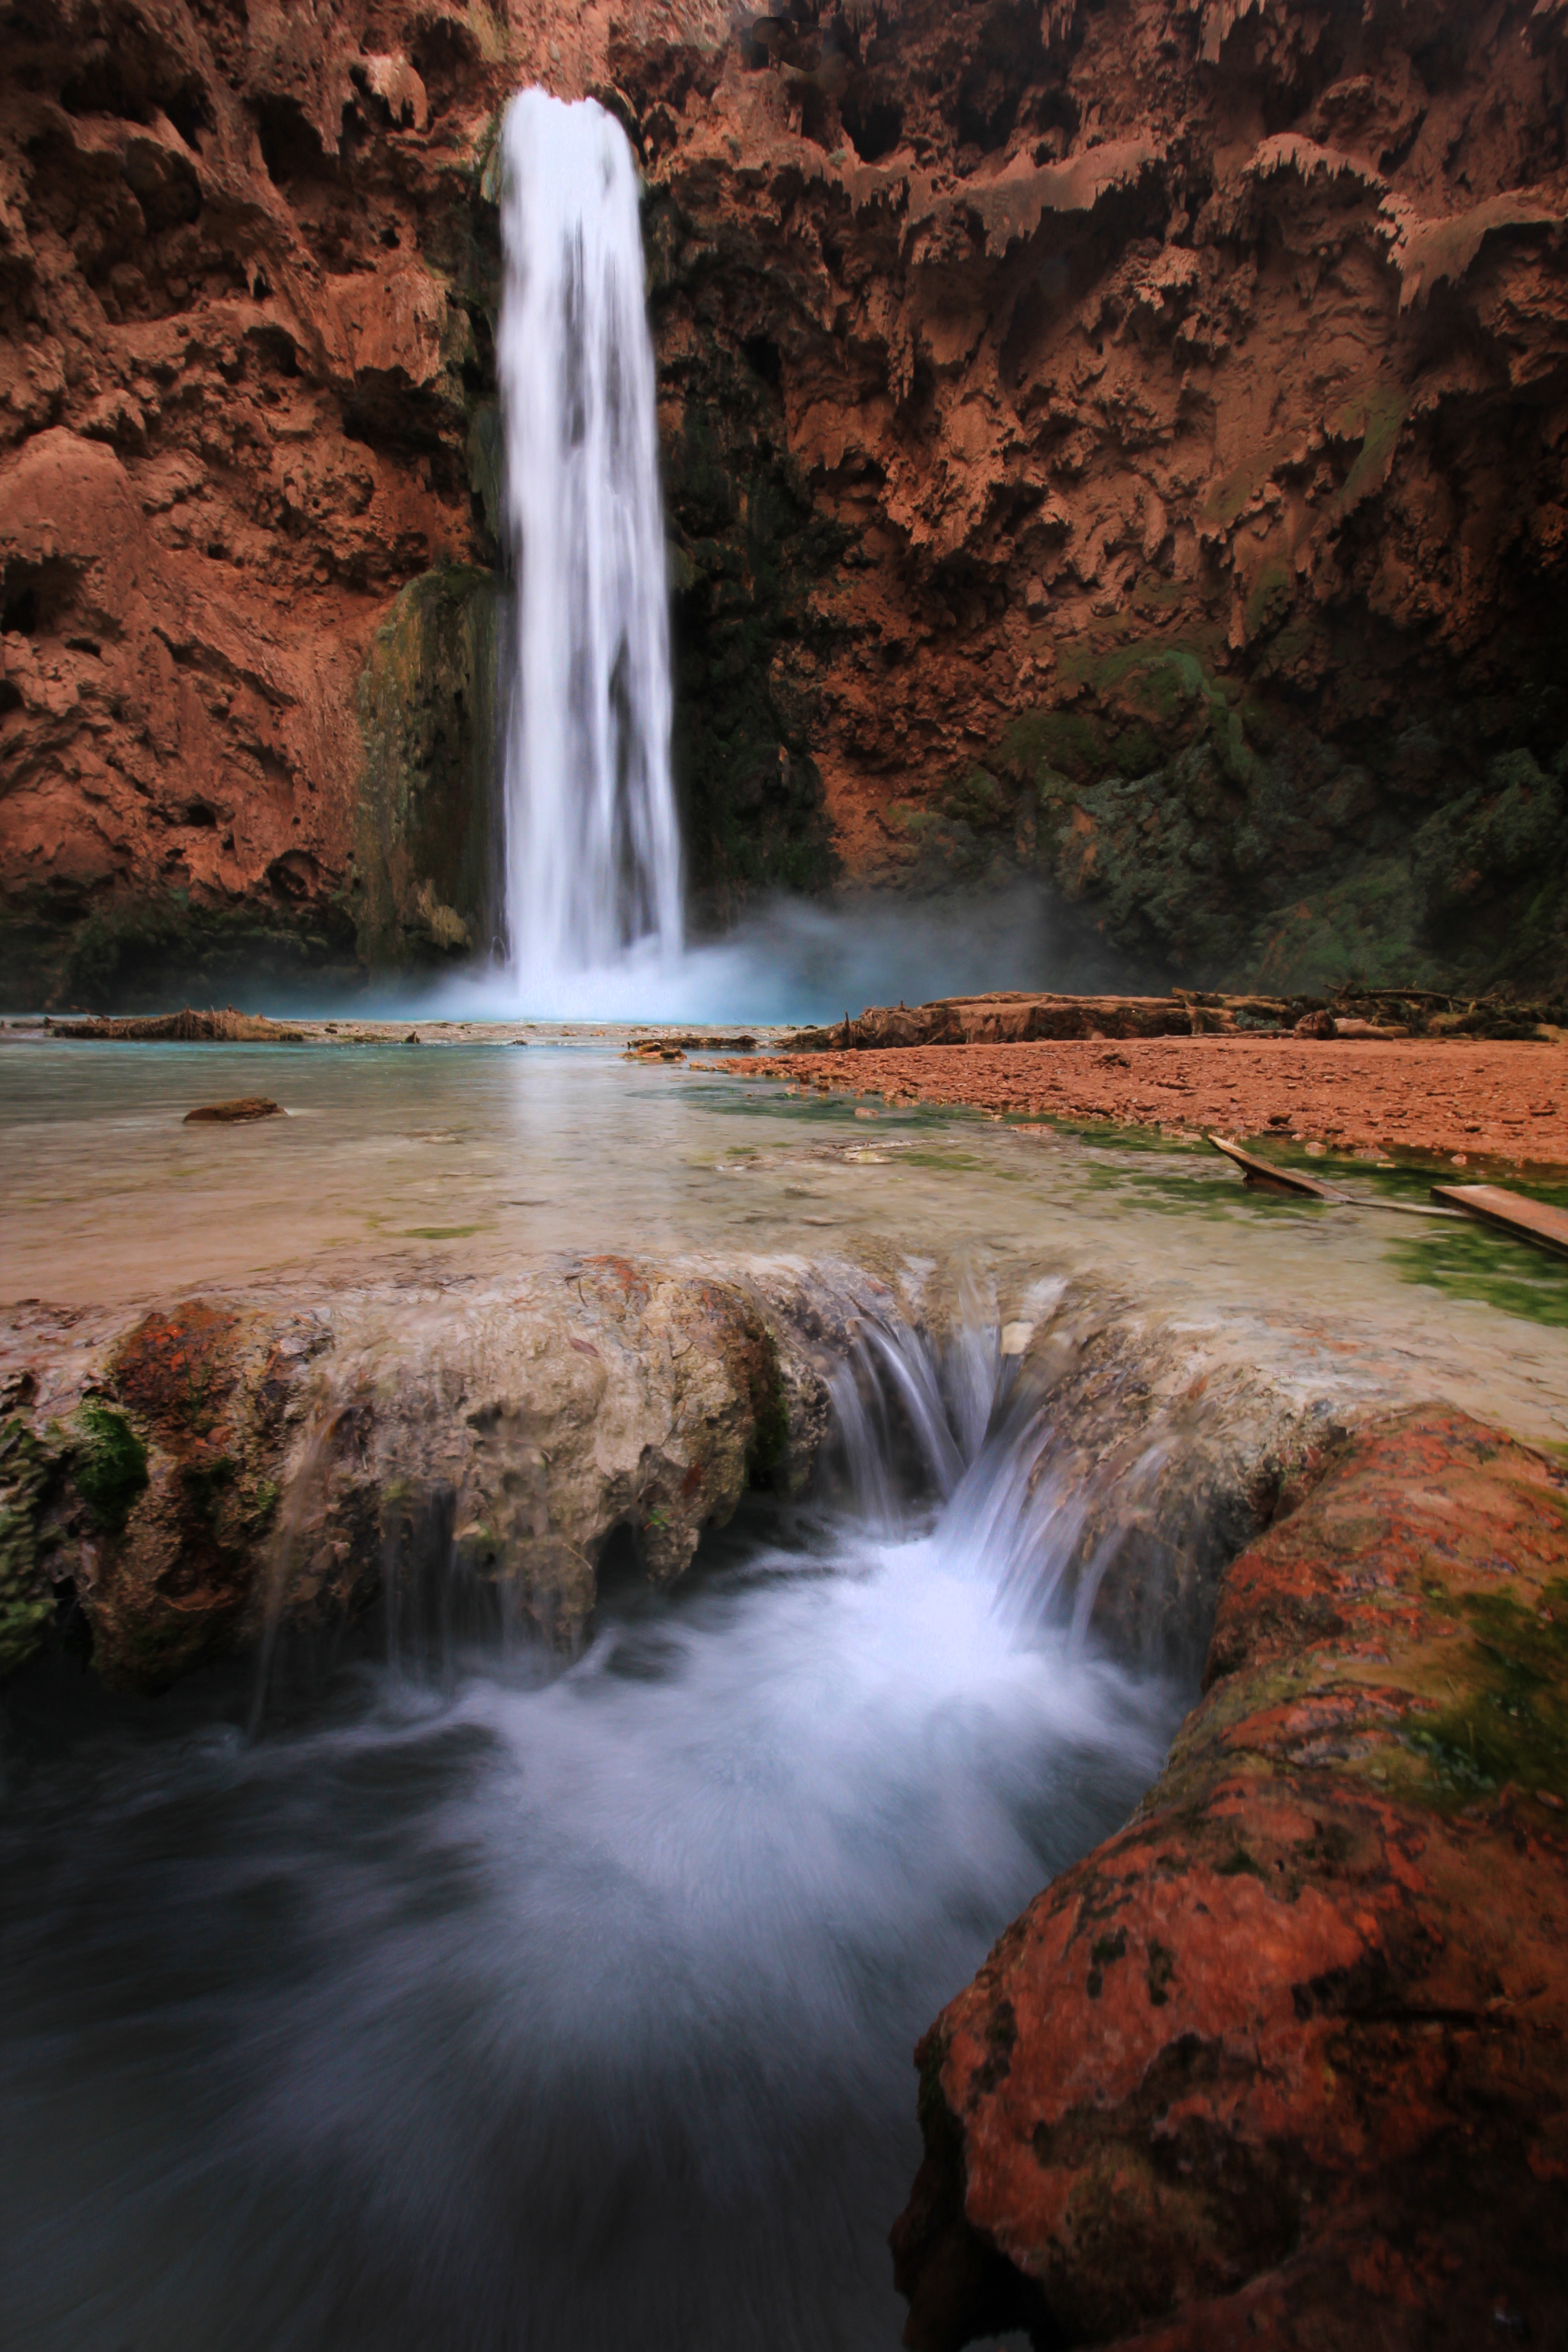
(1119, 443)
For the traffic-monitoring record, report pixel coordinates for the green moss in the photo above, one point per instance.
(29, 1465)
(1512, 1723)
(486, 456)
(1363, 931)
(428, 832)
(261, 1502)
(109, 1464)
(975, 798)
(1060, 740)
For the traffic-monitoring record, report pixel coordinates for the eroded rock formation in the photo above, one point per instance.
(227, 1466)
(180, 1486)
(1283, 2062)
(1121, 442)
(245, 650)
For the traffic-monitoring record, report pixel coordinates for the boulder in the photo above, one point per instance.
(1285, 2061)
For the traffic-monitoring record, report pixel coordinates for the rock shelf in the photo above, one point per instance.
(1459, 1099)
(181, 1485)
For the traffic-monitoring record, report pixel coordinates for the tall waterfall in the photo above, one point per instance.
(593, 849)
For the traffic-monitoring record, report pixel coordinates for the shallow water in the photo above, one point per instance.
(469, 1159)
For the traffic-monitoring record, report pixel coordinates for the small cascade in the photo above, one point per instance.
(571, 2000)
(1007, 1507)
(593, 848)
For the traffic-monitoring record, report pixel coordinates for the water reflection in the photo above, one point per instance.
(440, 1163)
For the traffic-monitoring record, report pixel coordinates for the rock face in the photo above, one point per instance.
(1184, 385)
(1284, 2062)
(1120, 441)
(241, 326)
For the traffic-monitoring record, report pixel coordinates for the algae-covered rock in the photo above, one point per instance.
(108, 1463)
(29, 1465)
(428, 847)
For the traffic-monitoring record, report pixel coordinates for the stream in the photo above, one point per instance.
(494, 1999)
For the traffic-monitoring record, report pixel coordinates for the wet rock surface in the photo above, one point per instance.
(1283, 2062)
(198, 1480)
(989, 558)
(292, 1464)
(237, 1112)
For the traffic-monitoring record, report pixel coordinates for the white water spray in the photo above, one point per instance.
(568, 2004)
(593, 849)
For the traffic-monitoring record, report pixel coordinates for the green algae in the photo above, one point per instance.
(110, 1465)
(1512, 1723)
(28, 1466)
(1470, 1261)
(427, 822)
(769, 1448)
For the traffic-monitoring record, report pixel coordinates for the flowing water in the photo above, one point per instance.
(494, 2002)
(504, 2006)
(478, 1999)
(593, 851)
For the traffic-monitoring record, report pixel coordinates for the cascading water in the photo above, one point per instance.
(519, 2007)
(593, 848)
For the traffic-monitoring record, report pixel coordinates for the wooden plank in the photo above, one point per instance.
(1510, 1212)
(1272, 1178)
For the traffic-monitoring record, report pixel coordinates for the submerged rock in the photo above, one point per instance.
(1284, 2061)
(242, 1107)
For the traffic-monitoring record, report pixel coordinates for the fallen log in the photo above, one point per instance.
(1269, 1178)
(1510, 1212)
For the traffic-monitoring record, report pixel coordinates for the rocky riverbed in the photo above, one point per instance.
(1457, 1100)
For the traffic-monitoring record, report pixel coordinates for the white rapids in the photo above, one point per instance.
(593, 845)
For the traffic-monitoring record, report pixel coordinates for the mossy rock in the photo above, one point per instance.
(427, 836)
(30, 1466)
(108, 1463)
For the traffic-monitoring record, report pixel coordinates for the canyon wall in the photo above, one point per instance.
(1123, 444)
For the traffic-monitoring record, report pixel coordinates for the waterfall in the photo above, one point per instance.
(593, 850)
